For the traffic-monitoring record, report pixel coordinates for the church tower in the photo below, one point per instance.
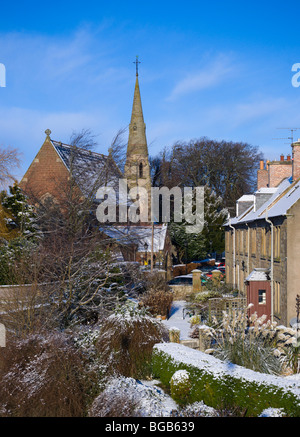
(137, 168)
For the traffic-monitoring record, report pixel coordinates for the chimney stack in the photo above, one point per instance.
(296, 159)
(262, 175)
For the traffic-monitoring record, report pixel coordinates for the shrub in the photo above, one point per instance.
(195, 320)
(127, 397)
(126, 340)
(180, 386)
(197, 409)
(43, 376)
(204, 296)
(158, 302)
(118, 405)
(253, 348)
(223, 386)
(158, 297)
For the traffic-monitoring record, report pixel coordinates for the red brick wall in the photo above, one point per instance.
(262, 178)
(279, 170)
(46, 174)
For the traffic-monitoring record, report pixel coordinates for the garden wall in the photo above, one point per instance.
(181, 292)
(224, 385)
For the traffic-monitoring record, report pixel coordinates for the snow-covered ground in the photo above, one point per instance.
(176, 319)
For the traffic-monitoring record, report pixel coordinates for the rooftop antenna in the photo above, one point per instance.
(292, 130)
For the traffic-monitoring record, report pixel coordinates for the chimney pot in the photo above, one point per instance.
(261, 164)
(281, 157)
(288, 158)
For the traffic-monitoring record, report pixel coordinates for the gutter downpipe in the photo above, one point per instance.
(272, 263)
(248, 244)
(232, 227)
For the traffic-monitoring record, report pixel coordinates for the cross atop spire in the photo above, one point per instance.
(137, 62)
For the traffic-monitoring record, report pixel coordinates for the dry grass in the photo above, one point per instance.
(126, 341)
(118, 405)
(42, 376)
(158, 302)
(158, 297)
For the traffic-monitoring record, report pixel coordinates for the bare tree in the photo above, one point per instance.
(118, 149)
(228, 168)
(9, 160)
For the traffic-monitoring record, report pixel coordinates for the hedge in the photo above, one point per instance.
(224, 385)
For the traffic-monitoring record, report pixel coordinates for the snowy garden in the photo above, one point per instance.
(88, 336)
(127, 367)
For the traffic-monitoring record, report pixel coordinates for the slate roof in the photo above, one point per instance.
(138, 235)
(90, 169)
(285, 196)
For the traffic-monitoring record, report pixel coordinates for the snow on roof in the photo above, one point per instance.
(138, 235)
(246, 198)
(267, 190)
(258, 274)
(284, 196)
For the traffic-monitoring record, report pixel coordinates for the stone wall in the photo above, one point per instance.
(181, 292)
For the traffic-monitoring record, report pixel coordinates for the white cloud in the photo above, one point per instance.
(211, 75)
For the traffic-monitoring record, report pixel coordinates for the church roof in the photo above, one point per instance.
(90, 169)
(139, 236)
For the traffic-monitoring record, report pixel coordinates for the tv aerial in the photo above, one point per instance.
(292, 130)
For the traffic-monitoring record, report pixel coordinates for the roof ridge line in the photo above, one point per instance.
(79, 148)
(279, 197)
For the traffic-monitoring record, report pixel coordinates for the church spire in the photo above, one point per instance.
(137, 142)
(137, 168)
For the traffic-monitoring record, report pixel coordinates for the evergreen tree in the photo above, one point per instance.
(193, 247)
(21, 214)
(214, 218)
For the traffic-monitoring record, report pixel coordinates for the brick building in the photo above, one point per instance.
(55, 163)
(262, 243)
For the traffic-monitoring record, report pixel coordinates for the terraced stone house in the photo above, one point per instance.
(262, 242)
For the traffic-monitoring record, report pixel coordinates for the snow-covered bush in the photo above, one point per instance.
(273, 412)
(126, 339)
(226, 386)
(180, 386)
(16, 260)
(44, 376)
(127, 397)
(197, 409)
(253, 347)
(23, 217)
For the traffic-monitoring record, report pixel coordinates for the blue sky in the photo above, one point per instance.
(217, 69)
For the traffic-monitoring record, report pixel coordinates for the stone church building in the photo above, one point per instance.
(262, 242)
(55, 163)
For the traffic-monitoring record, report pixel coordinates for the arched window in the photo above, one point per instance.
(141, 170)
